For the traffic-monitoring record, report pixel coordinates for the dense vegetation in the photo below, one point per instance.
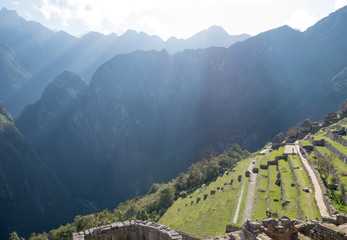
(158, 199)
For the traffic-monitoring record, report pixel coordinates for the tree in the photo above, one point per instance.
(14, 236)
(167, 196)
(154, 188)
(326, 166)
(181, 182)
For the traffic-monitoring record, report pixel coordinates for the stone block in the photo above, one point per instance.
(285, 203)
(320, 143)
(278, 182)
(263, 166)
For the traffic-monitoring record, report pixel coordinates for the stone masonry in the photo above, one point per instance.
(129, 230)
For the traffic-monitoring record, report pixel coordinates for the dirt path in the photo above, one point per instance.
(318, 195)
(236, 216)
(250, 193)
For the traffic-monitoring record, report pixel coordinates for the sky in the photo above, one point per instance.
(166, 18)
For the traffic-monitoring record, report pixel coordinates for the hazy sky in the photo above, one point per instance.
(180, 18)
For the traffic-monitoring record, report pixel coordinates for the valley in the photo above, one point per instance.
(101, 128)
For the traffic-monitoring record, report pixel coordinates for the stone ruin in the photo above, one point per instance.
(129, 230)
(283, 228)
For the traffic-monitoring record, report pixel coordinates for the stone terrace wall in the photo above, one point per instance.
(337, 138)
(336, 152)
(327, 201)
(321, 231)
(129, 230)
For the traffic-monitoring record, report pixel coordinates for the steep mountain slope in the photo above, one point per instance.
(30, 194)
(45, 54)
(58, 98)
(150, 109)
(12, 75)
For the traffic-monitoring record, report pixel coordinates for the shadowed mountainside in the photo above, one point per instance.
(148, 115)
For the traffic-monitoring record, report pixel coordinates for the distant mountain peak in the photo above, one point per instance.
(7, 12)
(216, 28)
(5, 113)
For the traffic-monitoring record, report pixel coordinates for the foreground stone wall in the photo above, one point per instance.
(129, 230)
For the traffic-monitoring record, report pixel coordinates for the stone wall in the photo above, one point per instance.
(337, 138)
(187, 236)
(285, 228)
(334, 174)
(297, 188)
(336, 152)
(327, 201)
(321, 231)
(130, 230)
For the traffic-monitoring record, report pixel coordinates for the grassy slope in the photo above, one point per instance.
(209, 217)
(308, 207)
(340, 167)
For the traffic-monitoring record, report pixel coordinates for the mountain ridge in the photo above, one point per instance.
(152, 108)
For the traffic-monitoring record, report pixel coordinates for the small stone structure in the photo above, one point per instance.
(306, 125)
(277, 140)
(330, 117)
(134, 230)
(285, 228)
(344, 107)
(292, 135)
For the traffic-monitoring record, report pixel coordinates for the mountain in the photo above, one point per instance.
(214, 36)
(148, 115)
(30, 194)
(58, 98)
(45, 54)
(12, 75)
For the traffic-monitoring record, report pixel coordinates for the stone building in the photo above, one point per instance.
(330, 117)
(277, 140)
(306, 125)
(344, 109)
(292, 135)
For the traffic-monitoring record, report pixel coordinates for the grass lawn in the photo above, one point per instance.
(305, 143)
(208, 217)
(341, 168)
(261, 191)
(308, 206)
(274, 190)
(337, 145)
(289, 193)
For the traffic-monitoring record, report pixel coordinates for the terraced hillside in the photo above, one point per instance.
(330, 143)
(274, 188)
